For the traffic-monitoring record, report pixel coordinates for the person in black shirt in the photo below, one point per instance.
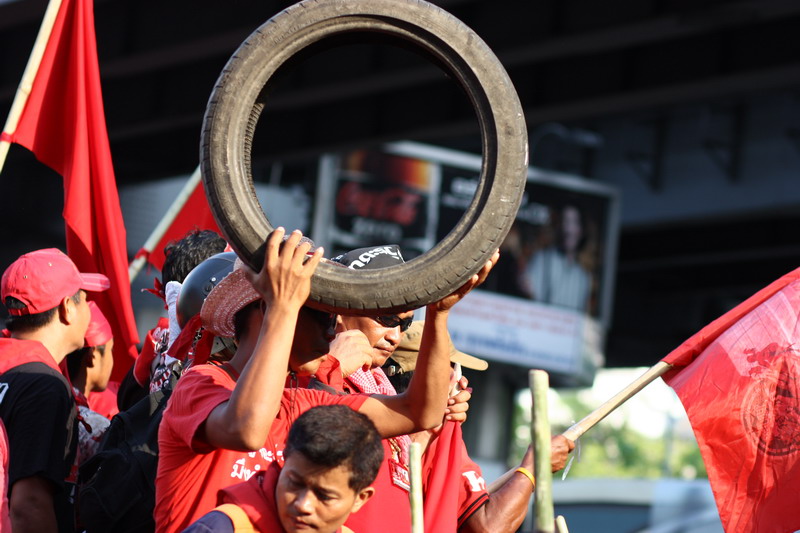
(45, 296)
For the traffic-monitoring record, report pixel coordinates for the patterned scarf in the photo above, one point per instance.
(374, 381)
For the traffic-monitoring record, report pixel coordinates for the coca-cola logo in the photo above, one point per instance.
(393, 204)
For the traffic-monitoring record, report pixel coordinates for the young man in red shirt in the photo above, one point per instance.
(332, 456)
(225, 423)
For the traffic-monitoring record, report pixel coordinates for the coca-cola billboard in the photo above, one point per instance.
(546, 304)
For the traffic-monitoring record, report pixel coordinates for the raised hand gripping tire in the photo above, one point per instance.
(236, 104)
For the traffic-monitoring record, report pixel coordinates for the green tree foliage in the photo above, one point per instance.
(618, 451)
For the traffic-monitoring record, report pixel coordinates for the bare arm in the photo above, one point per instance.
(509, 496)
(31, 506)
(284, 283)
(421, 406)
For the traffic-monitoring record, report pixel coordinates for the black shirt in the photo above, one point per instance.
(38, 410)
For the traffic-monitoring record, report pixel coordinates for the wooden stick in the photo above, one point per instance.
(29, 75)
(166, 221)
(585, 424)
(540, 437)
(415, 467)
(561, 525)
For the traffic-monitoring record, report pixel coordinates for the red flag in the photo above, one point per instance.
(441, 479)
(194, 214)
(739, 381)
(63, 124)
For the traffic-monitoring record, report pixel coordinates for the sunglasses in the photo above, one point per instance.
(392, 321)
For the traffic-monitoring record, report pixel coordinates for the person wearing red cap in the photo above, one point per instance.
(45, 296)
(89, 370)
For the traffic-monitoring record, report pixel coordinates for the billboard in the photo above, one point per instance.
(546, 304)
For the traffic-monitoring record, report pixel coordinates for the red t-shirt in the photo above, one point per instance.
(473, 492)
(389, 509)
(391, 498)
(105, 402)
(452, 483)
(190, 472)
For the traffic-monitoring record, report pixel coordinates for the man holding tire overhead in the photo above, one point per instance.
(226, 422)
(362, 348)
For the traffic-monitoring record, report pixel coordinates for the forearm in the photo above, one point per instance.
(422, 405)
(505, 510)
(245, 420)
(33, 521)
(31, 507)
(427, 392)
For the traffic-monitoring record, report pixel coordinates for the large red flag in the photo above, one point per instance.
(63, 124)
(739, 381)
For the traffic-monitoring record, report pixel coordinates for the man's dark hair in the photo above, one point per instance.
(180, 257)
(335, 435)
(32, 322)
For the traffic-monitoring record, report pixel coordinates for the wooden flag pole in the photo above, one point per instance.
(415, 467)
(586, 423)
(166, 221)
(28, 76)
(540, 436)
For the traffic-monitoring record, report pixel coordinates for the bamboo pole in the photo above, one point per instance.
(415, 467)
(29, 75)
(579, 428)
(166, 221)
(540, 437)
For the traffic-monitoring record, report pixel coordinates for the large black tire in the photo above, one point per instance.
(236, 103)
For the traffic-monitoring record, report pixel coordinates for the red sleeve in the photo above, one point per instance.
(199, 391)
(141, 367)
(297, 401)
(473, 492)
(329, 373)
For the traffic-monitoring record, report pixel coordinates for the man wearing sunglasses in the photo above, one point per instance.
(362, 346)
(383, 332)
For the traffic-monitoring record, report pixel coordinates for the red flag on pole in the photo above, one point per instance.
(739, 381)
(63, 124)
(189, 211)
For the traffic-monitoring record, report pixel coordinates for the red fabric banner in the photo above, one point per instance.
(63, 124)
(441, 479)
(739, 381)
(195, 214)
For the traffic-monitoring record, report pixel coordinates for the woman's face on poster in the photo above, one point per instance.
(571, 228)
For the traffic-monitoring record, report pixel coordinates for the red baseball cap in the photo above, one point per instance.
(99, 331)
(41, 279)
